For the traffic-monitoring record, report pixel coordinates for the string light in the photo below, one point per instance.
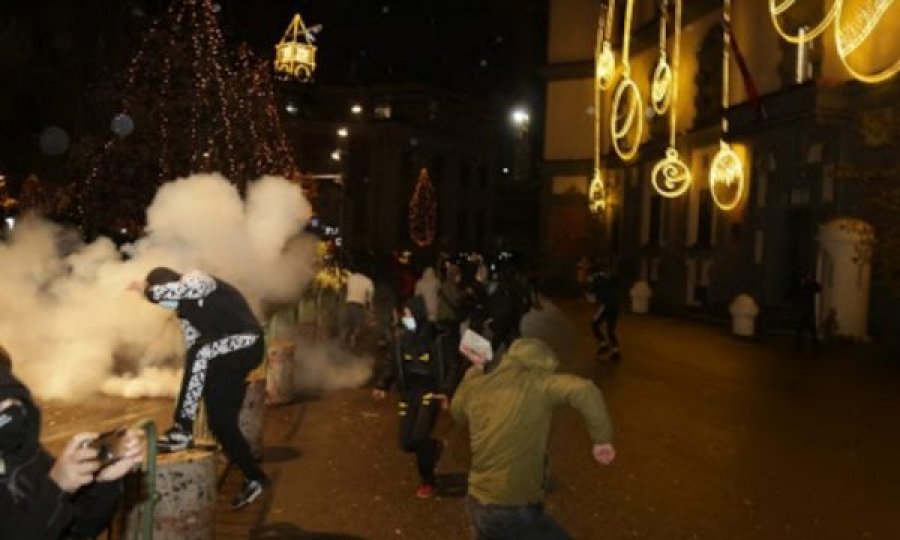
(671, 177)
(661, 82)
(626, 127)
(423, 211)
(726, 171)
(183, 70)
(847, 37)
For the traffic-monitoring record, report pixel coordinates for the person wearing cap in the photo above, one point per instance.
(224, 343)
(425, 370)
(509, 411)
(73, 495)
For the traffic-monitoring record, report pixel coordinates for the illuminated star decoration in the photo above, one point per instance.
(423, 211)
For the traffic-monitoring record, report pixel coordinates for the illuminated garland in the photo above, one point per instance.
(661, 82)
(726, 169)
(423, 211)
(602, 54)
(671, 177)
(604, 58)
(847, 38)
(626, 126)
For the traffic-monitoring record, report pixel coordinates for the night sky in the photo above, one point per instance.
(53, 51)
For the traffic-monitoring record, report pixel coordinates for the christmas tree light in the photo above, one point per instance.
(423, 211)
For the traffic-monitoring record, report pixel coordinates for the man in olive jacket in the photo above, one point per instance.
(508, 412)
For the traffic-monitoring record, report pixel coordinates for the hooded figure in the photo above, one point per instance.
(509, 411)
(32, 505)
(425, 369)
(224, 344)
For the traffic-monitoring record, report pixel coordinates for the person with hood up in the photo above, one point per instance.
(425, 369)
(224, 344)
(508, 412)
(42, 498)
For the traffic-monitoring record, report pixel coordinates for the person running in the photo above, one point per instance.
(425, 369)
(509, 412)
(605, 289)
(224, 344)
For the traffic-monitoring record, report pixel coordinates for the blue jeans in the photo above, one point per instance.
(496, 522)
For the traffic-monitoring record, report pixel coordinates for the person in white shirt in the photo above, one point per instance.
(427, 287)
(359, 298)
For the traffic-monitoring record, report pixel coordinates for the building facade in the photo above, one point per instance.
(810, 125)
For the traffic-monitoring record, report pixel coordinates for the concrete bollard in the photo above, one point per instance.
(186, 504)
(743, 315)
(253, 412)
(280, 373)
(640, 297)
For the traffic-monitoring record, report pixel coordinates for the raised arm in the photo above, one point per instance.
(585, 397)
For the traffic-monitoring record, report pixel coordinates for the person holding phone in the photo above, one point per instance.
(73, 495)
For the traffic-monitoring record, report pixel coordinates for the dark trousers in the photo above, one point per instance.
(495, 522)
(218, 371)
(608, 317)
(418, 415)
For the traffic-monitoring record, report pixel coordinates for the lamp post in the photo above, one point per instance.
(520, 119)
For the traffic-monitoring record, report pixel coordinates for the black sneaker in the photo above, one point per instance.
(250, 491)
(176, 439)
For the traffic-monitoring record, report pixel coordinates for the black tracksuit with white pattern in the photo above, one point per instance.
(224, 343)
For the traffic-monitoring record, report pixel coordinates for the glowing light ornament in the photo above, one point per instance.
(295, 54)
(597, 193)
(726, 171)
(423, 211)
(848, 37)
(661, 82)
(626, 119)
(604, 58)
(671, 177)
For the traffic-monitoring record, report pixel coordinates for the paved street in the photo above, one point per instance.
(718, 438)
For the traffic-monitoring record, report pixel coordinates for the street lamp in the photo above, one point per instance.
(336, 155)
(343, 132)
(520, 118)
(356, 109)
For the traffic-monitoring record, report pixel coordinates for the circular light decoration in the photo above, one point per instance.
(122, 125)
(671, 177)
(726, 173)
(625, 121)
(661, 82)
(605, 66)
(848, 36)
(597, 194)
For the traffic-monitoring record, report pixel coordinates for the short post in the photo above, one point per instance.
(743, 315)
(640, 297)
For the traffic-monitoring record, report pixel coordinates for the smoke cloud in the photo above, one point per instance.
(70, 324)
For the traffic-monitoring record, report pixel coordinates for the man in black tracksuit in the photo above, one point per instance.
(426, 370)
(224, 344)
(605, 289)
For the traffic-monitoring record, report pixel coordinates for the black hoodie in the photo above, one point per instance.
(32, 506)
(424, 360)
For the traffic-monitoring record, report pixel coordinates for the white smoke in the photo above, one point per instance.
(68, 319)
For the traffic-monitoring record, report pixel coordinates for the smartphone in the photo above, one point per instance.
(105, 444)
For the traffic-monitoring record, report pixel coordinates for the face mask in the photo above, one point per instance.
(12, 429)
(169, 304)
(409, 323)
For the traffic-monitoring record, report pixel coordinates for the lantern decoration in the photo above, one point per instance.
(671, 177)
(661, 82)
(423, 211)
(848, 35)
(597, 194)
(726, 171)
(295, 54)
(604, 59)
(626, 119)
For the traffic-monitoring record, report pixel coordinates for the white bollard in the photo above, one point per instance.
(743, 315)
(640, 297)
(280, 372)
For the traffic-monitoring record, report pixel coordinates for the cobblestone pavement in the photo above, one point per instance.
(718, 438)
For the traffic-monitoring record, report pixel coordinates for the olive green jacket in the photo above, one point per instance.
(508, 412)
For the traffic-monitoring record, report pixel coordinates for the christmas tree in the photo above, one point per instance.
(187, 104)
(423, 211)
